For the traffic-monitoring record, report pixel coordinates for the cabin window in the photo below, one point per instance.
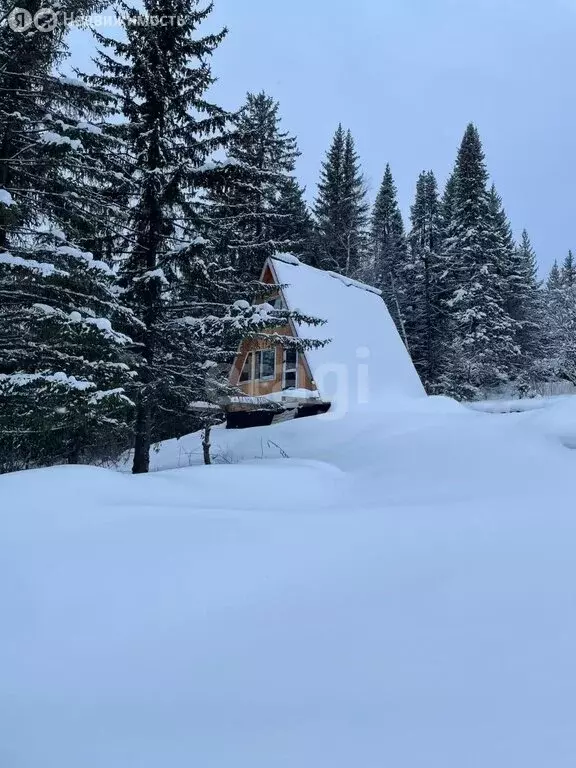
(276, 302)
(266, 364)
(246, 374)
(290, 369)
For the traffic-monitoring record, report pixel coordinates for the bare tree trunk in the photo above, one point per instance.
(4, 181)
(73, 456)
(206, 445)
(141, 463)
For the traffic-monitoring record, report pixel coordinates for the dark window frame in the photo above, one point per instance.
(293, 369)
(249, 359)
(258, 365)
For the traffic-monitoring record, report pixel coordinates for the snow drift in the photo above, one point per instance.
(399, 591)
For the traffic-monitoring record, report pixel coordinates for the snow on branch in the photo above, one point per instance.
(42, 268)
(6, 198)
(89, 128)
(56, 139)
(73, 81)
(16, 380)
(212, 165)
(97, 397)
(153, 274)
(86, 256)
(102, 324)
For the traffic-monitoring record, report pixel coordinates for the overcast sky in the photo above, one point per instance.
(406, 76)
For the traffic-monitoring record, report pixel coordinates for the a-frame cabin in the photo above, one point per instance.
(364, 358)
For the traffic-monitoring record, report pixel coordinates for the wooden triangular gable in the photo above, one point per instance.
(268, 269)
(268, 276)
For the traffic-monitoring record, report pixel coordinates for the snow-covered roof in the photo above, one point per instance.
(366, 357)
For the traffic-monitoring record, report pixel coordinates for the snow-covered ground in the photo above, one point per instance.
(517, 405)
(395, 588)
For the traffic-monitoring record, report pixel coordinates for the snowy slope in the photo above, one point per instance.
(399, 592)
(349, 441)
(366, 358)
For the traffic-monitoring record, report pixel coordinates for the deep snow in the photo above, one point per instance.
(400, 591)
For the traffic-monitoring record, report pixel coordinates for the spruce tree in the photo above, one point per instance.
(560, 328)
(254, 211)
(568, 274)
(52, 148)
(355, 210)
(447, 208)
(169, 131)
(61, 362)
(512, 277)
(446, 286)
(421, 281)
(526, 306)
(341, 209)
(328, 206)
(483, 335)
(554, 278)
(293, 227)
(389, 248)
(66, 369)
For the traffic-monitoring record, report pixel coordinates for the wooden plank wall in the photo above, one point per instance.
(256, 388)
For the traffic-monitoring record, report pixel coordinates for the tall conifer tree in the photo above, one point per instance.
(560, 327)
(341, 209)
(255, 210)
(554, 278)
(293, 228)
(66, 366)
(52, 151)
(63, 365)
(527, 305)
(483, 334)
(389, 248)
(169, 131)
(422, 283)
(568, 274)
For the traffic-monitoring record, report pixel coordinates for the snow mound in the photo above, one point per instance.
(557, 420)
